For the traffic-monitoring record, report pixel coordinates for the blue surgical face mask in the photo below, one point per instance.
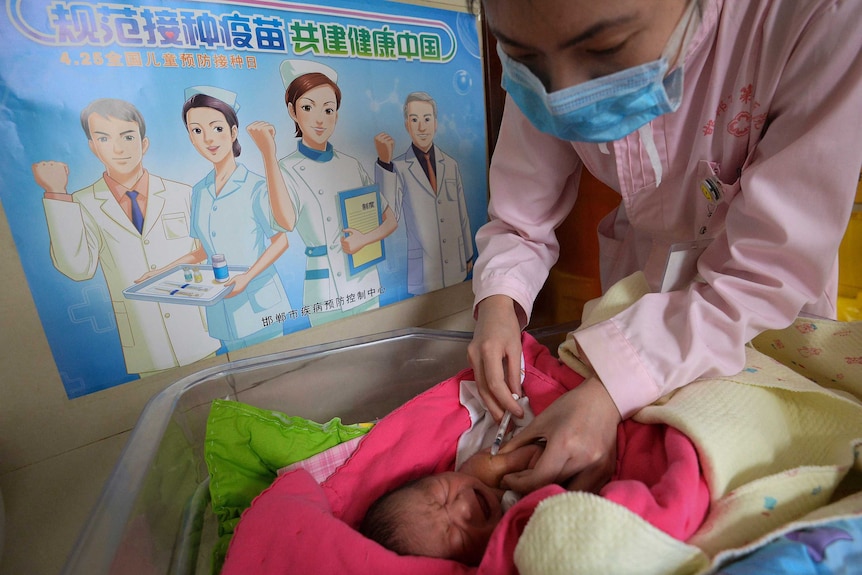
(607, 108)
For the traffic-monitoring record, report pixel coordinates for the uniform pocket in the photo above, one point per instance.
(264, 296)
(451, 189)
(175, 225)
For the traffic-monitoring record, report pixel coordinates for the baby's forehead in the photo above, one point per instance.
(428, 490)
(425, 521)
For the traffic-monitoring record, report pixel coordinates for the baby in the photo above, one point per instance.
(450, 515)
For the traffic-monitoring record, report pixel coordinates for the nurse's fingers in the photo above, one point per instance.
(580, 428)
(495, 346)
(493, 376)
(592, 478)
(550, 467)
(489, 375)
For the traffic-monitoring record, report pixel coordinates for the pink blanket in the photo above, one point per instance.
(298, 526)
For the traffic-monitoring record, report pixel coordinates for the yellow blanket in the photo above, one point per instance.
(774, 445)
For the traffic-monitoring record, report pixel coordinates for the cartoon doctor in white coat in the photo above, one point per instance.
(128, 222)
(424, 185)
(304, 189)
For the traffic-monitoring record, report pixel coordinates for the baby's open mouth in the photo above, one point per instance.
(483, 504)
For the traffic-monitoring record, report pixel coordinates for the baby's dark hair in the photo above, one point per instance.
(385, 521)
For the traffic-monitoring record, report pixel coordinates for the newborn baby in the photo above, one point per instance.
(450, 515)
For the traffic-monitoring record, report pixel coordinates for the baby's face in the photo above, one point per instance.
(452, 516)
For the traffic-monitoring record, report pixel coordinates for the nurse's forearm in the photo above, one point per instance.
(195, 256)
(282, 206)
(278, 245)
(385, 228)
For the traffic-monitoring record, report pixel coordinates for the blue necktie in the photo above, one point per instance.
(137, 216)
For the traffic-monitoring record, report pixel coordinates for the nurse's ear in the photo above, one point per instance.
(291, 111)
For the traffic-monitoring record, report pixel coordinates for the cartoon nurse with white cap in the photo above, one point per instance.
(304, 189)
(231, 215)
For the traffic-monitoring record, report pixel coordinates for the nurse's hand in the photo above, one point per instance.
(385, 146)
(263, 135)
(495, 354)
(580, 434)
(353, 241)
(239, 283)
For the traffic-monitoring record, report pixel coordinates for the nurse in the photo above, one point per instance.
(731, 131)
(231, 215)
(304, 189)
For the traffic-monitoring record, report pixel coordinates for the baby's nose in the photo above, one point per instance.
(462, 511)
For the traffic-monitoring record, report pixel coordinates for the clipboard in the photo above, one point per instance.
(360, 210)
(172, 287)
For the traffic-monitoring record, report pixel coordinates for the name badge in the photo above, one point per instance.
(680, 269)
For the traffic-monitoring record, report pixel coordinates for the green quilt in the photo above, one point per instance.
(245, 447)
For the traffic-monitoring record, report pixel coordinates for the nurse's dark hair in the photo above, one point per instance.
(112, 108)
(302, 84)
(204, 101)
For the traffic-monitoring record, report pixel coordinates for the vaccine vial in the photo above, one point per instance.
(187, 273)
(220, 268)
(199, 277)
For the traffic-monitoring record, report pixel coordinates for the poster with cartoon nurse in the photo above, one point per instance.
(146, 138)
(305, 194)
(123, 223)
(231, 216)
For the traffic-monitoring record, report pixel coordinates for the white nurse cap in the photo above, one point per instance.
(225, 96)
(292, 69)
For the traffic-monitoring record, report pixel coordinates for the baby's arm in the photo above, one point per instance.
(490, 469)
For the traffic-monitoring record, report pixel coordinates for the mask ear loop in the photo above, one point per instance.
(648, 141)
(676, 45)
(674, 50)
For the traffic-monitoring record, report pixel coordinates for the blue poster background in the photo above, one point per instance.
(46, 80)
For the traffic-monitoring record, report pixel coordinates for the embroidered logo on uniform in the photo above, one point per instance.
(744, 121)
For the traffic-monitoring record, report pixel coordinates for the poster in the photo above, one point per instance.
(360, 210)
(206, 144)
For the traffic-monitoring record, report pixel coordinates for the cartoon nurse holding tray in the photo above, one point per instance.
(231, 215)
(305, 189)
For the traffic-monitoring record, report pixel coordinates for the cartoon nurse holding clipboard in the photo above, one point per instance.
(304, 191)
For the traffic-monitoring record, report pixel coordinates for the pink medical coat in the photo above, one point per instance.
(772, 116)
